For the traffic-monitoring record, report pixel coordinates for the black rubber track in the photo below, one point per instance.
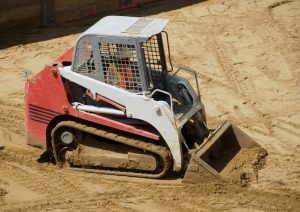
(118, 136)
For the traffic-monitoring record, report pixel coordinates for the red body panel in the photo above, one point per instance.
(47, 96)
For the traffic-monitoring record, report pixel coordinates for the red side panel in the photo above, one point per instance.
(44, 100)
(46, 97)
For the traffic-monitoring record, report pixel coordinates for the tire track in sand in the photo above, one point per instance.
(59, 189)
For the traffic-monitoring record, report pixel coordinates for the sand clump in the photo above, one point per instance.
(3, 192)
(2, 146)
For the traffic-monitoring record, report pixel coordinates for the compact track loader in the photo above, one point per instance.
(114, 105)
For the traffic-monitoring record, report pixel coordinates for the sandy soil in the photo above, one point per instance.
(246, 54)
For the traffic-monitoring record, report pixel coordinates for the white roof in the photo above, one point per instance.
(124, 26)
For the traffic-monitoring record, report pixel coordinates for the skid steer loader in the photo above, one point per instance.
(111, 105)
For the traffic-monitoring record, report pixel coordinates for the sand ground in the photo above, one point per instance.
(247, 58)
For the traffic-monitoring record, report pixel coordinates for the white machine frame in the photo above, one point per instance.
(140, 105)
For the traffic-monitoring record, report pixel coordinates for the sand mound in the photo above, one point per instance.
(244, 168)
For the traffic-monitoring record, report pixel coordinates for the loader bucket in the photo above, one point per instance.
(228, 154)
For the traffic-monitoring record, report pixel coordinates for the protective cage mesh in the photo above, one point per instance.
(85, 63)
(152, 55)
(120, 66)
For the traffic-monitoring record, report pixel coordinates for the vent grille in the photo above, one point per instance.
(41, 114)
(139, 26)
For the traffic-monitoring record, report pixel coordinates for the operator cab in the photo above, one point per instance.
(129, 53)
(123, 51)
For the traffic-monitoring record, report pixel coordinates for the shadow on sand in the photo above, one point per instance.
(26, 34)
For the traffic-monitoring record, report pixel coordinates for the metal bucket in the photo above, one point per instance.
(227, 154)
